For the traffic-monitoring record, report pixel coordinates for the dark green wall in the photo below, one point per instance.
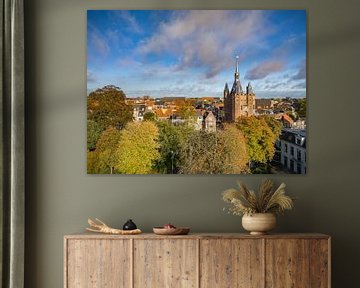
(60, 196)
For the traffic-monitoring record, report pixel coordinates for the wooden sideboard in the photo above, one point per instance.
(197, 260)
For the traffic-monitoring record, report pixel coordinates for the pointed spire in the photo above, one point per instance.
(237, 65)
(249, 89)
(236, 88)
(226, 90)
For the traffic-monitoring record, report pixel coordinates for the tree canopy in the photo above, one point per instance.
(107, 147)
(234, 151)
(301, 109)
(260, 138)
(274, 124)
(171, 140)
(186, 108)
(150, 116)
(107, 107)
(94, 130)
(137, 149)
(214, 153)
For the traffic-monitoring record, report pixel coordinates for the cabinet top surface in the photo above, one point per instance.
(87, 235)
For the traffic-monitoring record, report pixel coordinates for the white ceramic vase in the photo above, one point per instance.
(259, 223)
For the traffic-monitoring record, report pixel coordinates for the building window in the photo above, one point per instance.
(292, 165)
(286, 148)
(285, 161)
(292, 151)
(299, 154)
(298, 168)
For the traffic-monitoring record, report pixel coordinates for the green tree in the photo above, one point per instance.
(171, 140)
(274, 124)
(186, 109)
(137, 149)
(260, 139)
(149, 116)
(301, 110)
(93, 165)
(107, 107)
(94, 130)
(106, 149)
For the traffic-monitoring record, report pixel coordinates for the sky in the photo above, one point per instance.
(192, 53)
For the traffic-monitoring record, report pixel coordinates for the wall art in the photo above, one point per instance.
(196, 92)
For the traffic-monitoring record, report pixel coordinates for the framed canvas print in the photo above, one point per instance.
(196, 92)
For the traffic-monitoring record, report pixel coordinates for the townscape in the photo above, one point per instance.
(234, 134)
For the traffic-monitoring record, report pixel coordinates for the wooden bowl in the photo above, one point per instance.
(259, 223)
(171, 231)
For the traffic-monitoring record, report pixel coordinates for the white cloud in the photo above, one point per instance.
(129, 20)
(300, 86)
(91, 77)
(281, 93)
(99, 42)
(264, 69)
(301, 74)
(208, 39)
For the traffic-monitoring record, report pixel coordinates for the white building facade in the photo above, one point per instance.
(293, 150)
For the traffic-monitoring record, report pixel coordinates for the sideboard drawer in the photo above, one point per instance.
(98, 263)
(297, 263)
(165, 263)
(231, 263)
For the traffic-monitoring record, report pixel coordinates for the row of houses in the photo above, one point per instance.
(166, 109)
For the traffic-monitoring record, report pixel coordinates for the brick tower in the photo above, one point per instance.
(238, 103)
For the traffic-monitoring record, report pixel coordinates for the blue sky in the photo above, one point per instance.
(192, 52)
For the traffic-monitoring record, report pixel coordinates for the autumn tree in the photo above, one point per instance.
(232, 147)
(137, 149)
(149, 116)
(106, 149)
(274, 124)
(222, 152)
(94, 130)
(186, 109)
(260, 139)
(171, 140)
(107, 107)
(200, 154)
(93, 165)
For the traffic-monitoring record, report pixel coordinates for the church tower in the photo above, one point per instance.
(238, 103)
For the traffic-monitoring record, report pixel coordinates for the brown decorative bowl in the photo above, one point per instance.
(171, 231)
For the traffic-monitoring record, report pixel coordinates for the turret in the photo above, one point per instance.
(249, 89)
(226, 90)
